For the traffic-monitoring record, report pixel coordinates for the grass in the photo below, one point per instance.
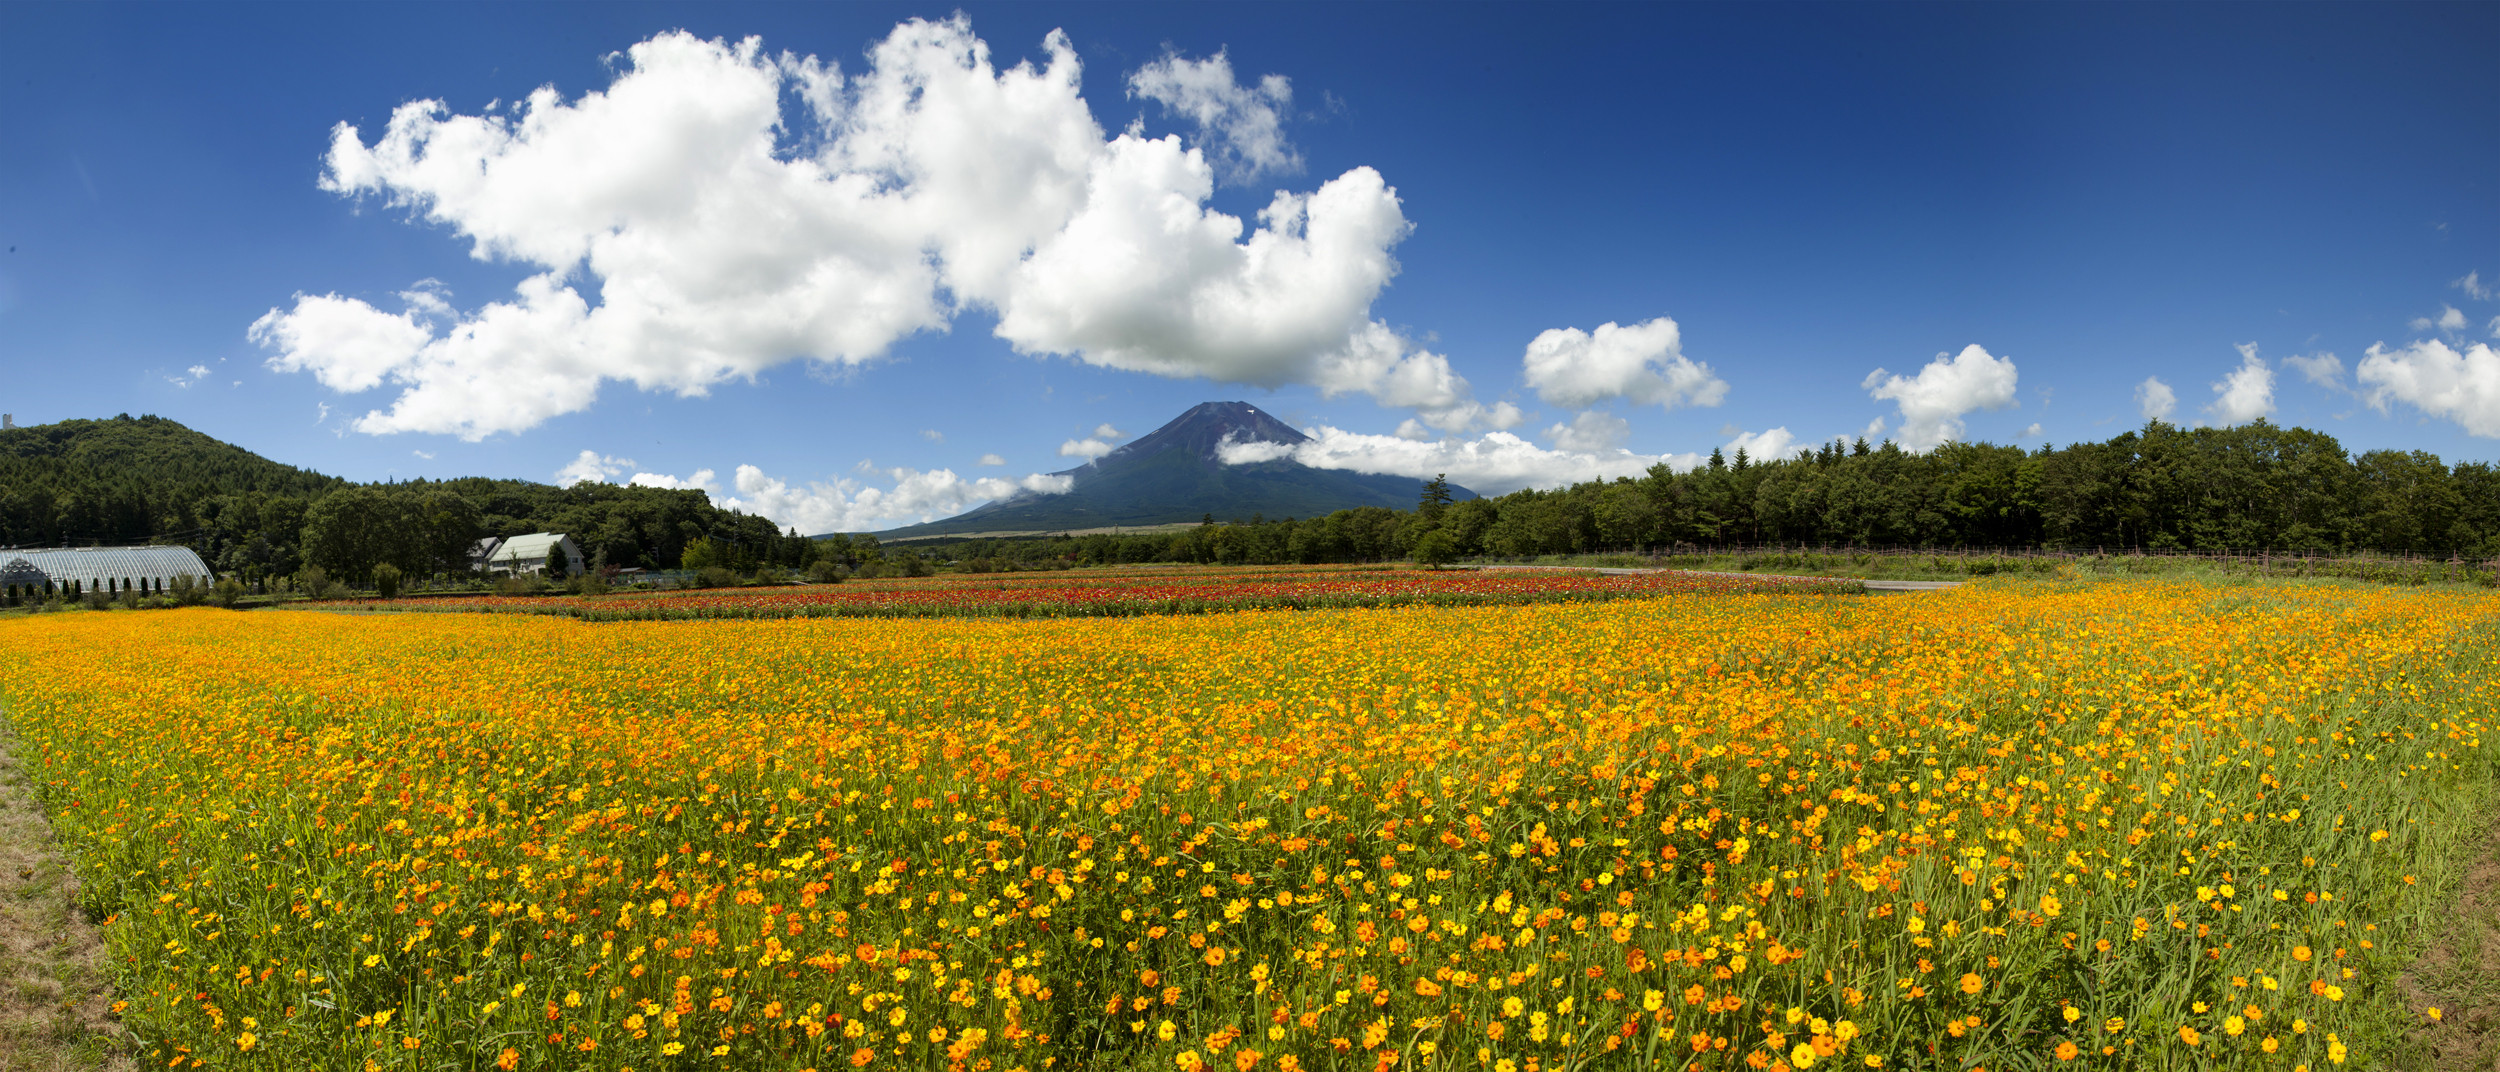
(55, 1002)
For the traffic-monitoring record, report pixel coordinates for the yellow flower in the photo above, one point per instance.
(1802, 1057)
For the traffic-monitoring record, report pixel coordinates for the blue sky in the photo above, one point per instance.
(843, 316)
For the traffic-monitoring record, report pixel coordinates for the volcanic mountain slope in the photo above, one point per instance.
(1173, 475)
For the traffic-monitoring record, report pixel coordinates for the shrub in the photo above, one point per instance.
(825, 571)
(1436, 549)
(520, 584)
(315, 583)
(715, 577)
(386, 578)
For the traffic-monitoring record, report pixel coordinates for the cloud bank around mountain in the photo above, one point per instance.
(850, 505)
(1493, 463)
(718, 210)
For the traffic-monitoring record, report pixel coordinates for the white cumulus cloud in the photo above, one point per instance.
(1765, 446)
(2246, 394)
(2450, 319)
(2323, 369)
(1642, 362)
(1490, 464)
(1241, 127)
(1933, 403)
(1103, 441)
(2473, 286)
(2155, 400)
(1589, 430)
(716, 211)
(2437, 379)
(991, 459)
(592, 466)
(703, 480)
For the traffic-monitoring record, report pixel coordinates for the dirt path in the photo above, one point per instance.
(55, 1007)
(2459, 974)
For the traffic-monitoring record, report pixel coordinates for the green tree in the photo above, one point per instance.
(699, 555)
(559, 564)
(447, 531)
(386, 580)
(349, 532)
(1436, 549)
(1436, 496)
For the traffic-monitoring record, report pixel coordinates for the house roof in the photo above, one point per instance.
(531, 549)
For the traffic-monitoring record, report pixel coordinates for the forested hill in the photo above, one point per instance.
(149, 480)
(125, 479)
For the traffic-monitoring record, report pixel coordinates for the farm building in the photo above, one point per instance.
(529, 554)
(102, 569)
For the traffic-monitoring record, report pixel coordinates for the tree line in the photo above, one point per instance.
(2161, 488)
(146, 480)
(2257, 487)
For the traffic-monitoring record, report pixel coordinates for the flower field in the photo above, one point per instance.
(2009, 826)
(1118, 594)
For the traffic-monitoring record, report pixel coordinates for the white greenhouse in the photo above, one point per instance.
(110, 570)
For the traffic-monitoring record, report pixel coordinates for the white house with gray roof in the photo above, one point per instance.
(528, 554)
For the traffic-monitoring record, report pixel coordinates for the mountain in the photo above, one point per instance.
(1173, 475)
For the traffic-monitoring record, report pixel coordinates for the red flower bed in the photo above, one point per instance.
(1121, 594)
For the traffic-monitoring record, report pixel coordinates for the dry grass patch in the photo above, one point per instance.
(55, 1002)
(2459, 973)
